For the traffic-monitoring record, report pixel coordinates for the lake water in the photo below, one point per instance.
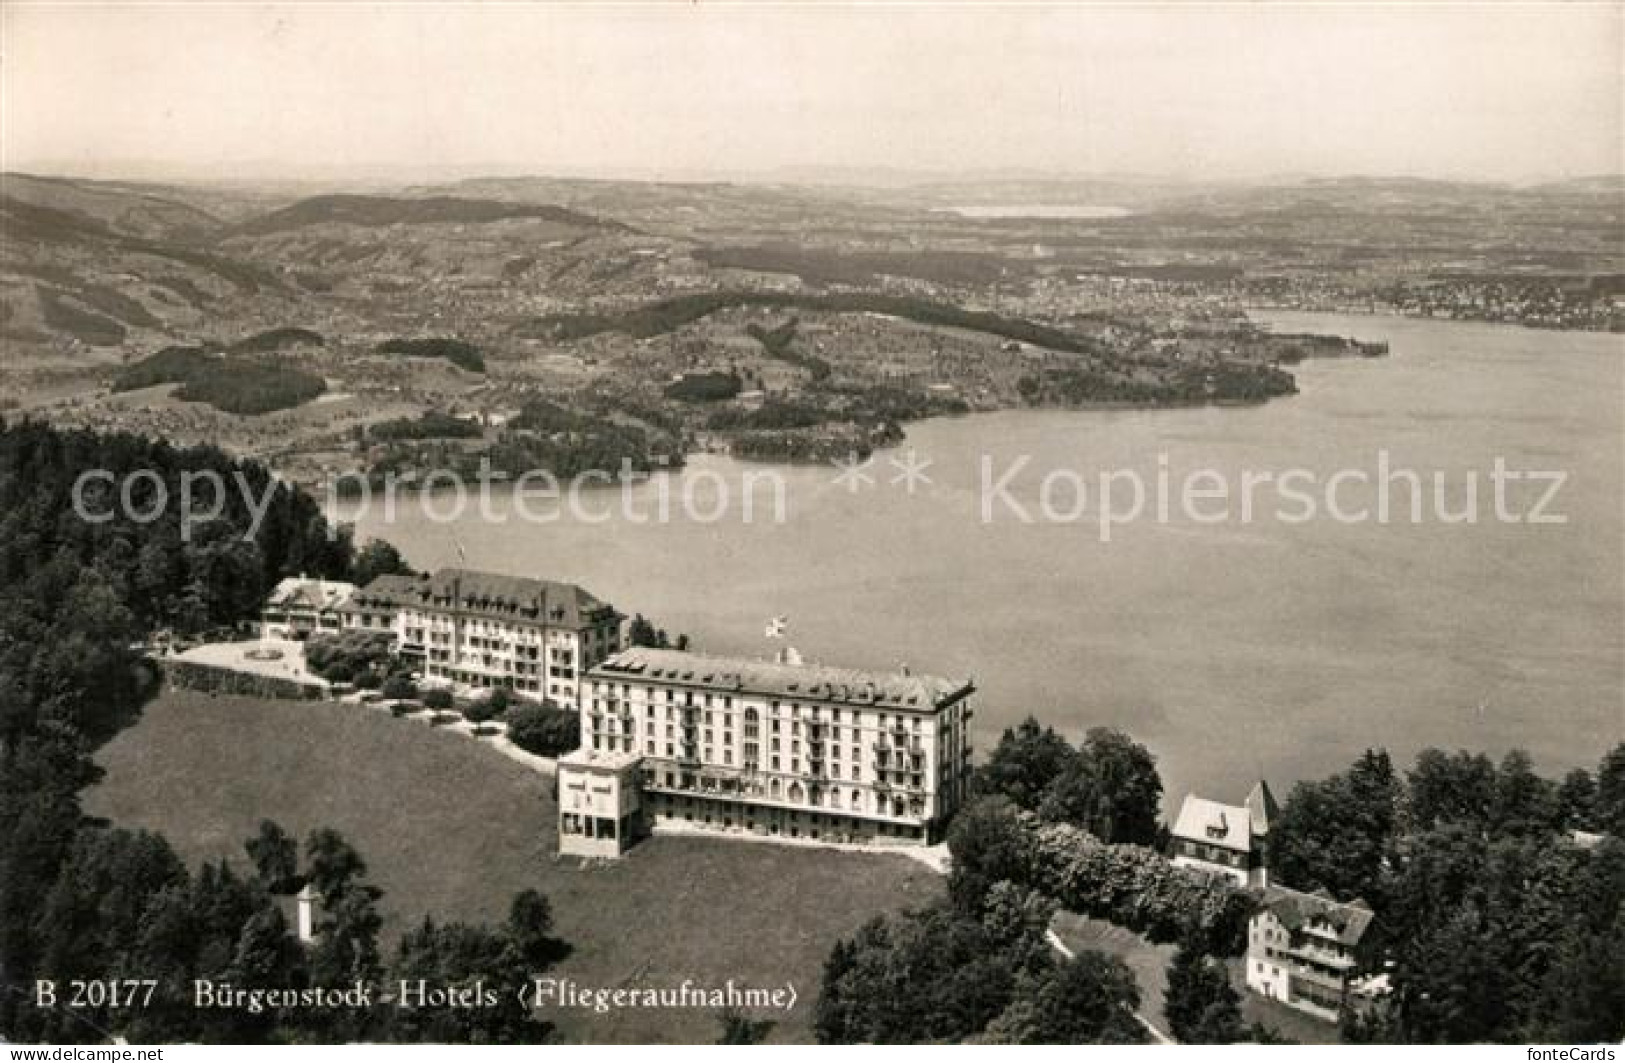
(1048, 211)
(1233, 649)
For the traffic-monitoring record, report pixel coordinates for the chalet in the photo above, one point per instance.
(1228, 840)
(1312, 952)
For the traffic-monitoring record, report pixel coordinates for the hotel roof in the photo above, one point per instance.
(490, 595)
(1349, 921)
(1261, 807)
(599, 760)
(1232, 826)
(1207, 821)
(295, 591)
(804, 682)
(384, 592)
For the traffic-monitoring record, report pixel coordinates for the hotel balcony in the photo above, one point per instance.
(1327, 982)
(1336, 959)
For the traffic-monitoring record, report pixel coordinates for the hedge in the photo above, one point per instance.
(214, 679)
(1127, 885)
(1138, 888)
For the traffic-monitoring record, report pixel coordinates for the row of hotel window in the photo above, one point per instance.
(793, 824)
(438, 619)
(752, 759)
(894, 805)
(814, 713)
(475, 679)
(882, 728)
(561, 655)
(753, 730)
(516, 668)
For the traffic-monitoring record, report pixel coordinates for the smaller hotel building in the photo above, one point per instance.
(299, 607)
(1310, 951)
(481, 630)
(769, 748)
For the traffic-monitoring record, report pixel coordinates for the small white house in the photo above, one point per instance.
(299, 607)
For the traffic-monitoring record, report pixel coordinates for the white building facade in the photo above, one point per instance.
(1310, 952)
(1228, 840)
(299, 607)
(481, 630)
(600, 803)
(783, 750)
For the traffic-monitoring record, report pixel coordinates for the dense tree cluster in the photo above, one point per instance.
(460, 353)
(828, 442)
(544, 437)
(857, 268)
(81, 899)
(346, 656)
(278, 339)
(641, 632)
(1335, 833)
(945, 973)
(656, 319)
(544, 730)
(994, 841)
(376, 211)
(868, 406)
(378, 557)
(977, 966)
(1500, 895)
(1202, 1006)
(774, 415)
(1193, 384)
(714, 386)
(125, 906)
(1502, 926)
(76, 594)
(235, 384)
(1108, 785)
(779, 343)
(431, 424)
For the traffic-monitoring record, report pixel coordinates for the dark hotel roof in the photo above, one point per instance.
(803, 682)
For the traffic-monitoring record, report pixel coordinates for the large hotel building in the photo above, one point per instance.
(671, 738)
(760, 747)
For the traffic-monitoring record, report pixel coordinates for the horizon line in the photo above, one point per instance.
(794, 174)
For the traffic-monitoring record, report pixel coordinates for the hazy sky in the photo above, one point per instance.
(1503, 92)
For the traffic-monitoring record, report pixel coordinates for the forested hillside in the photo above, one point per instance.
(82, 900)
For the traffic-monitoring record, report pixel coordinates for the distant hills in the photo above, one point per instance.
(97, 270)
(1599, 184)
(125, 210)
(55, 207)
(101, 265)
(377, 211)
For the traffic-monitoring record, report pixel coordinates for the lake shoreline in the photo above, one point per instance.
(1314, 641)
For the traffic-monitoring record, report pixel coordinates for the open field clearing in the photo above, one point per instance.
(453, 830)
